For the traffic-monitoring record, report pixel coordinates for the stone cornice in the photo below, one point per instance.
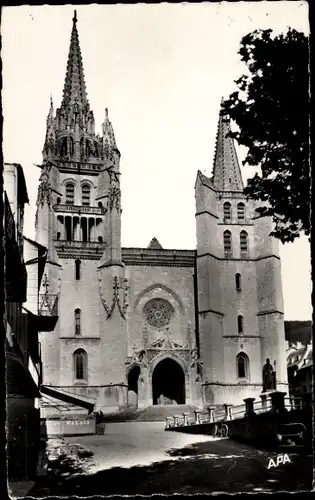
(79, 249)
(226, 384)
(158, 257)
(207, 311)
(272, 311)
(157, 264)
(241, 336)
(268, 257)
(81, 256)
(79, 209)
(79, 339)
(236, 258)
(112, 263)
(235, 224)
(80, 167)
(206, 212)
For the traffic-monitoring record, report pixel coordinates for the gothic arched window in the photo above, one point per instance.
(227, 211)
(242, 364)
(69, 193)
(240, 324)
(77, 321)
(71, 146)
(244, 242)
(80, 365)
(241, 211)
(77, 269)
(238, 282)
(86, 194)
(227, 242)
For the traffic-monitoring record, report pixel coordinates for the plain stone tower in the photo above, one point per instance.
(148, 326)
(240, 302)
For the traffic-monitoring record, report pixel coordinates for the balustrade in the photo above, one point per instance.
(197, 416)
(274, 401)
(227, 411)
(277, 401)
(249, 407)
(79, 209)
(79, 244)
(185, 416)
(168, 422)
(176, 420)
(211, 410)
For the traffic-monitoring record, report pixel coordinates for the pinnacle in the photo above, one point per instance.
(108, 131)
(155, 244)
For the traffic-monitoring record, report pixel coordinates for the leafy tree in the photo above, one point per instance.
(271, 109)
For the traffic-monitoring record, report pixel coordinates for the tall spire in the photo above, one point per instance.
(226, 173)
(74, 89)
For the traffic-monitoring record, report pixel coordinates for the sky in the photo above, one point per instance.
(161, 70)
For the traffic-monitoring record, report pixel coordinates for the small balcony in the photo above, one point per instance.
(79, 209)
(87, 167)
(77, 249)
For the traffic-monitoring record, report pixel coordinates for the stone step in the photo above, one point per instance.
(160, 412)
(149, 414)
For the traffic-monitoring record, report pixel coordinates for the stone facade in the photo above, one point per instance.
(211, 316)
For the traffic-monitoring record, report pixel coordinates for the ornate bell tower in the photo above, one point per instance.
(79, 219)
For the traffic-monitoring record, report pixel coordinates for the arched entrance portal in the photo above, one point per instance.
(168, 380)
(133, 377)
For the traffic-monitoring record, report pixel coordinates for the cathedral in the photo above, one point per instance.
(150, 326)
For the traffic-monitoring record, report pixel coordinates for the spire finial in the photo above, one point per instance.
(106, 112)
(74, 81)
(226, 173)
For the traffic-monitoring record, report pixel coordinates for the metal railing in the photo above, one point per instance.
(225, 413)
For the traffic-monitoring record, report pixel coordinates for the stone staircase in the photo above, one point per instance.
(150, 414)
(160, 412)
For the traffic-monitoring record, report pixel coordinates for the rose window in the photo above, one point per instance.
(158, 312)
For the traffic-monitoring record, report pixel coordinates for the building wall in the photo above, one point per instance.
(259, 301)
(111, 341)
(30, 253)
(174, 284)
(10, 185)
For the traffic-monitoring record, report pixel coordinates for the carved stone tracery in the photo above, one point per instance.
(120, 289)
(158, 312)
(44, 190)
(114, 194)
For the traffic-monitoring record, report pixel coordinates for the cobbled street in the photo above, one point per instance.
(141, 458)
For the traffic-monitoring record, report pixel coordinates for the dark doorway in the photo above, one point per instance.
(168, 383)
(133, 378)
